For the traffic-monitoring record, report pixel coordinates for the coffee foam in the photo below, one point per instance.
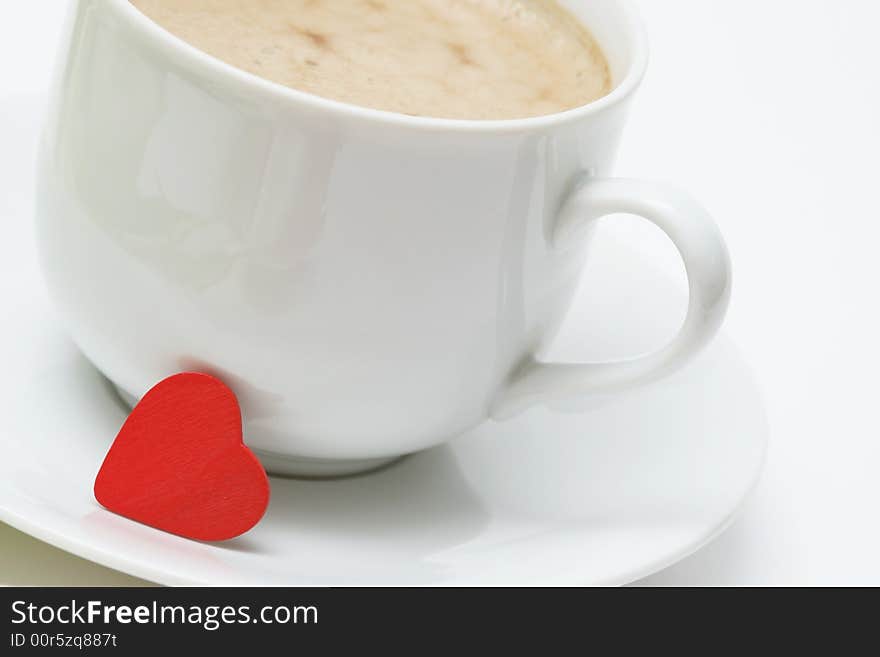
(462, 59)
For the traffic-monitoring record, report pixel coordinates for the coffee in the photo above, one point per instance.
(463, 59)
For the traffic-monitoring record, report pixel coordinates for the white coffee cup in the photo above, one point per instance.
(369, 284)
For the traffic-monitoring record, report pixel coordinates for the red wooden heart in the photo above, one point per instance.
(179, 463)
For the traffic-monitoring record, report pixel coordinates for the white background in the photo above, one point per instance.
(769, 111)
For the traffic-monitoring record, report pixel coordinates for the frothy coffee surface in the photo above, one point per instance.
(463, 59)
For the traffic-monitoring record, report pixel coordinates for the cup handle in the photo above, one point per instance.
(706, 261)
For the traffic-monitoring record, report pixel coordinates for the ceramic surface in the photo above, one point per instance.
(369, 284)
(598, 491)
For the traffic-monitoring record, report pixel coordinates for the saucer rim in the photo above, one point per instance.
(154, 576)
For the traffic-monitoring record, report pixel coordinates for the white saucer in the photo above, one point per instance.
(600, 491)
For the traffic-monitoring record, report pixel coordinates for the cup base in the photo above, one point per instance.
(280, 465)
(305, 468)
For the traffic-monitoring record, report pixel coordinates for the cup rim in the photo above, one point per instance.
(219, 68)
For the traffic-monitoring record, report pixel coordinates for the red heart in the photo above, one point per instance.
(179, 463)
